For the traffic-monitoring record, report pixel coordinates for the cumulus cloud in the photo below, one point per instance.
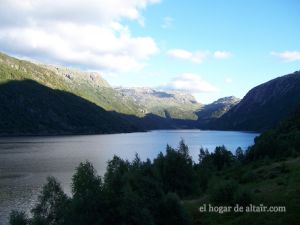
(89, 34)
(189, 82)
(222, 54)
(228, 80)
(197, 56)
(287, 55)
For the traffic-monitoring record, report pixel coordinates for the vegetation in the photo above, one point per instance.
(168, 190)
(149, 192)
(41, 110)
(129, 193)
(81, 84)
(263, 106)
(282, 141)
(145, 192)
(143, 108)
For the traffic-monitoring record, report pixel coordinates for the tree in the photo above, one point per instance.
(222, 157)
(18, 218)
(51, 206)
(87, 203)
(203, 155)
(239, 154)
(85, 181)
(176, 170)
(172, 212)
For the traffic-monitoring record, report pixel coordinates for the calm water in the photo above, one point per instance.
(25, 162)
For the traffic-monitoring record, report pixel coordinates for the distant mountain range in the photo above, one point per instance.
(38, 99)
(171, 104)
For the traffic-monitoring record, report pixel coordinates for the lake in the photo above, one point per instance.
(25, 162)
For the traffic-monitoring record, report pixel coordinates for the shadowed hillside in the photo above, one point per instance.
(263, 106)
(29, 108)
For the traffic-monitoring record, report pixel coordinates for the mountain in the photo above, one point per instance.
(263, 106)
(45, 99)
(133, 108)
(215, 110)
(29, 108)
(166, 104)
(87, 85)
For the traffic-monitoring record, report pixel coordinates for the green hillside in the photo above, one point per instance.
(29, 108)
(267, 173)
(263, 106)
(60, 78)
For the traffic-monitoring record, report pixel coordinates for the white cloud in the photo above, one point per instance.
(190, 82)
(228, 80)
(197, 56)
(167, 22)
(222, 55)
(89, 34)
(287, 55)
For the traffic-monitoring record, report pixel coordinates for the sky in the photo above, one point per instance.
(209, 48)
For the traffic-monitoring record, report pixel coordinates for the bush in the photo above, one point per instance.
(230, 193)
(172, 211)
(224, 193)
(242, 197)
(249, 176)
(18, 218)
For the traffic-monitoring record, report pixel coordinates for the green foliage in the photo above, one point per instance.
(240, 155)
(42, 110)
(177, 162)
(132, 193)
(222, 157)
(146, 193)
(18, 218)
(52, 203)
(172, 211)
(224, 192)
(85, 181)
(87, 204)
(282, 141)
(101, 94)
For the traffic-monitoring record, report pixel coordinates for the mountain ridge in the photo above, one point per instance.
(264, 105)
(147, 108)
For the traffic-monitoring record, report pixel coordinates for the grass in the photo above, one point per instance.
(274, 183)
(103, 96)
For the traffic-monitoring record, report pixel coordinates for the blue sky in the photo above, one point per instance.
(209, 48)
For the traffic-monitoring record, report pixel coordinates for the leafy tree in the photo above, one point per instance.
(85, 181)
(176, 170)
(87, 203)
(222, 157)
(203, 155)
(18, 218)
(239, 154)
(172, 212)
(51, 205)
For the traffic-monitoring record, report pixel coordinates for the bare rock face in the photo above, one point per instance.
(265, 105)
(173, 104)
(210, 112)
(78, 76)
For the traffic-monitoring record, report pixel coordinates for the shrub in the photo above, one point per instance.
(224, 192)
(18, 218)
